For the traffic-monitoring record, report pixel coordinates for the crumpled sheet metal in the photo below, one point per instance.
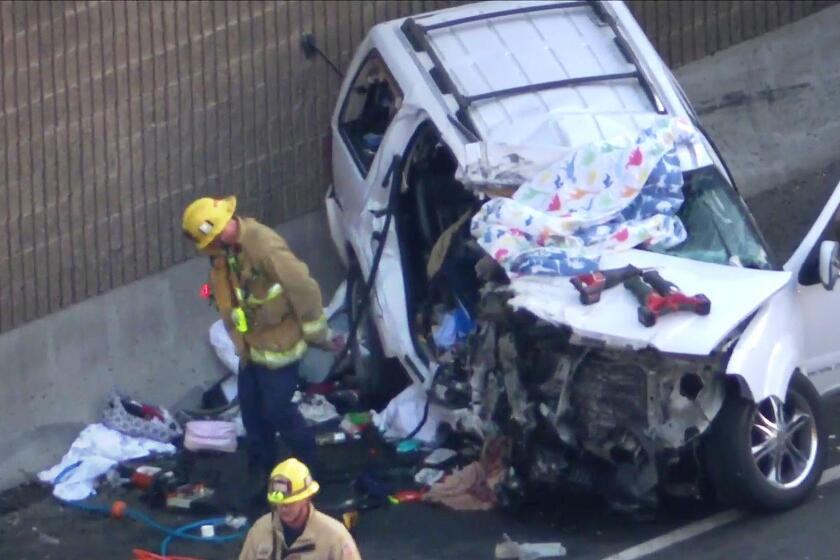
(601, 198)
(516, 394)
(496, 167)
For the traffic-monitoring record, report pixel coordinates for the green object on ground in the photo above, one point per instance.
(359, 418)
(408, 446)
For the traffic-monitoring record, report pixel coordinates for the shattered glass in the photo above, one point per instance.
(719, 227)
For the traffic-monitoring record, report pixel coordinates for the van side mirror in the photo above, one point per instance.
(829, 265)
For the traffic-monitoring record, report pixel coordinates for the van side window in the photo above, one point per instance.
(371, 103)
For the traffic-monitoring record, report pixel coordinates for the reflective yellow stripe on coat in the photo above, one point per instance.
(275, 360)
(313, 327)
(275, 291)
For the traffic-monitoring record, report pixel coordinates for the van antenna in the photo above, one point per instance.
(310, 48)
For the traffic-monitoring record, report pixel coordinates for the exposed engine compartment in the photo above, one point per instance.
(580, 414)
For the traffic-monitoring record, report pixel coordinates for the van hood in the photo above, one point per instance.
(735, 293)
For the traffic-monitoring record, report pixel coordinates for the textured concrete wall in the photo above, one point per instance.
(771, 103)
(147, 339)
(113, 115)
(687, 30)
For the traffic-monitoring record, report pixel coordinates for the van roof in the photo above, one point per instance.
(558, 73)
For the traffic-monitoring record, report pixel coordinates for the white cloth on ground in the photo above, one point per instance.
(316, 409)
(99, 449)
(405, 412)
(440, 455)
(428, 476)
(230, 388)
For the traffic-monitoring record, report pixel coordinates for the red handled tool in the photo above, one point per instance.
(591, 284)
(658, 297)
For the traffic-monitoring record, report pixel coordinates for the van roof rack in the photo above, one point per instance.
(418, 36)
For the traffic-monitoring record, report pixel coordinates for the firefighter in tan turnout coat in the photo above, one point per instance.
(294, 529)
(272, 309)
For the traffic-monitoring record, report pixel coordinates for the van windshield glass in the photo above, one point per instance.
(720, 229)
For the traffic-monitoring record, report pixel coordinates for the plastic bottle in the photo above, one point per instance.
(331, 438)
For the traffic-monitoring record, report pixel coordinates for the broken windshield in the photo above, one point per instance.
(719, 226)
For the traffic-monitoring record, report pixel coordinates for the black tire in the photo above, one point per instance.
(370, 365)
(760, 481)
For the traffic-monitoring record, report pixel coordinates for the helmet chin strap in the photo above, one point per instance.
(299, 520)
(235, 234)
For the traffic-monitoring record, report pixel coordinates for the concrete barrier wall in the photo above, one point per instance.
(771, 103)
(114, 115)
(148, 339)
(687, 30)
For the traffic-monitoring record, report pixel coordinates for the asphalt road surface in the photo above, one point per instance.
(589, 531)
(33, 526)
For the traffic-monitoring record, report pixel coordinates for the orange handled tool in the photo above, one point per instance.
(658, 297)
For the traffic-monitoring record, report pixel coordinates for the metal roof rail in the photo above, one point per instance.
(417, 35)
(502, 13)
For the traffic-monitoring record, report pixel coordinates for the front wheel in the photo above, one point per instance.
(769, 455)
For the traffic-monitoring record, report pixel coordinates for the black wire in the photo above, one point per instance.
(425, 417)
(352, 335)
(325, 57)
(422, 423)
(394, 174)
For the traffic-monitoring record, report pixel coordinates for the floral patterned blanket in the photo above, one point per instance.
(601, 198)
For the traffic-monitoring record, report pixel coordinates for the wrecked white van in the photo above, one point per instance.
(483, 156)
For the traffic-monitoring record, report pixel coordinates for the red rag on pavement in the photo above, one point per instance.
(320, 388)
(140, 554)
(408, 496)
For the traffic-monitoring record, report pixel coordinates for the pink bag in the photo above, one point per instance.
(212, 435)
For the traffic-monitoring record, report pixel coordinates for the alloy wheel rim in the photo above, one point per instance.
(784, 440)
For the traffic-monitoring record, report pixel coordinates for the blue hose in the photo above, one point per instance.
(178, 533)
(181, 533)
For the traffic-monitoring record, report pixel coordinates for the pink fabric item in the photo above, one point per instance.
(211, 435)
(473, 488)
(464, 490)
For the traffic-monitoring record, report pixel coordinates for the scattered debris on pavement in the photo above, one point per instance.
(511, 550)
(474, 487)
(210, 435)
(97, 450)
(411, 411)
(316, 409)
(137, 419)
(428, 477)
